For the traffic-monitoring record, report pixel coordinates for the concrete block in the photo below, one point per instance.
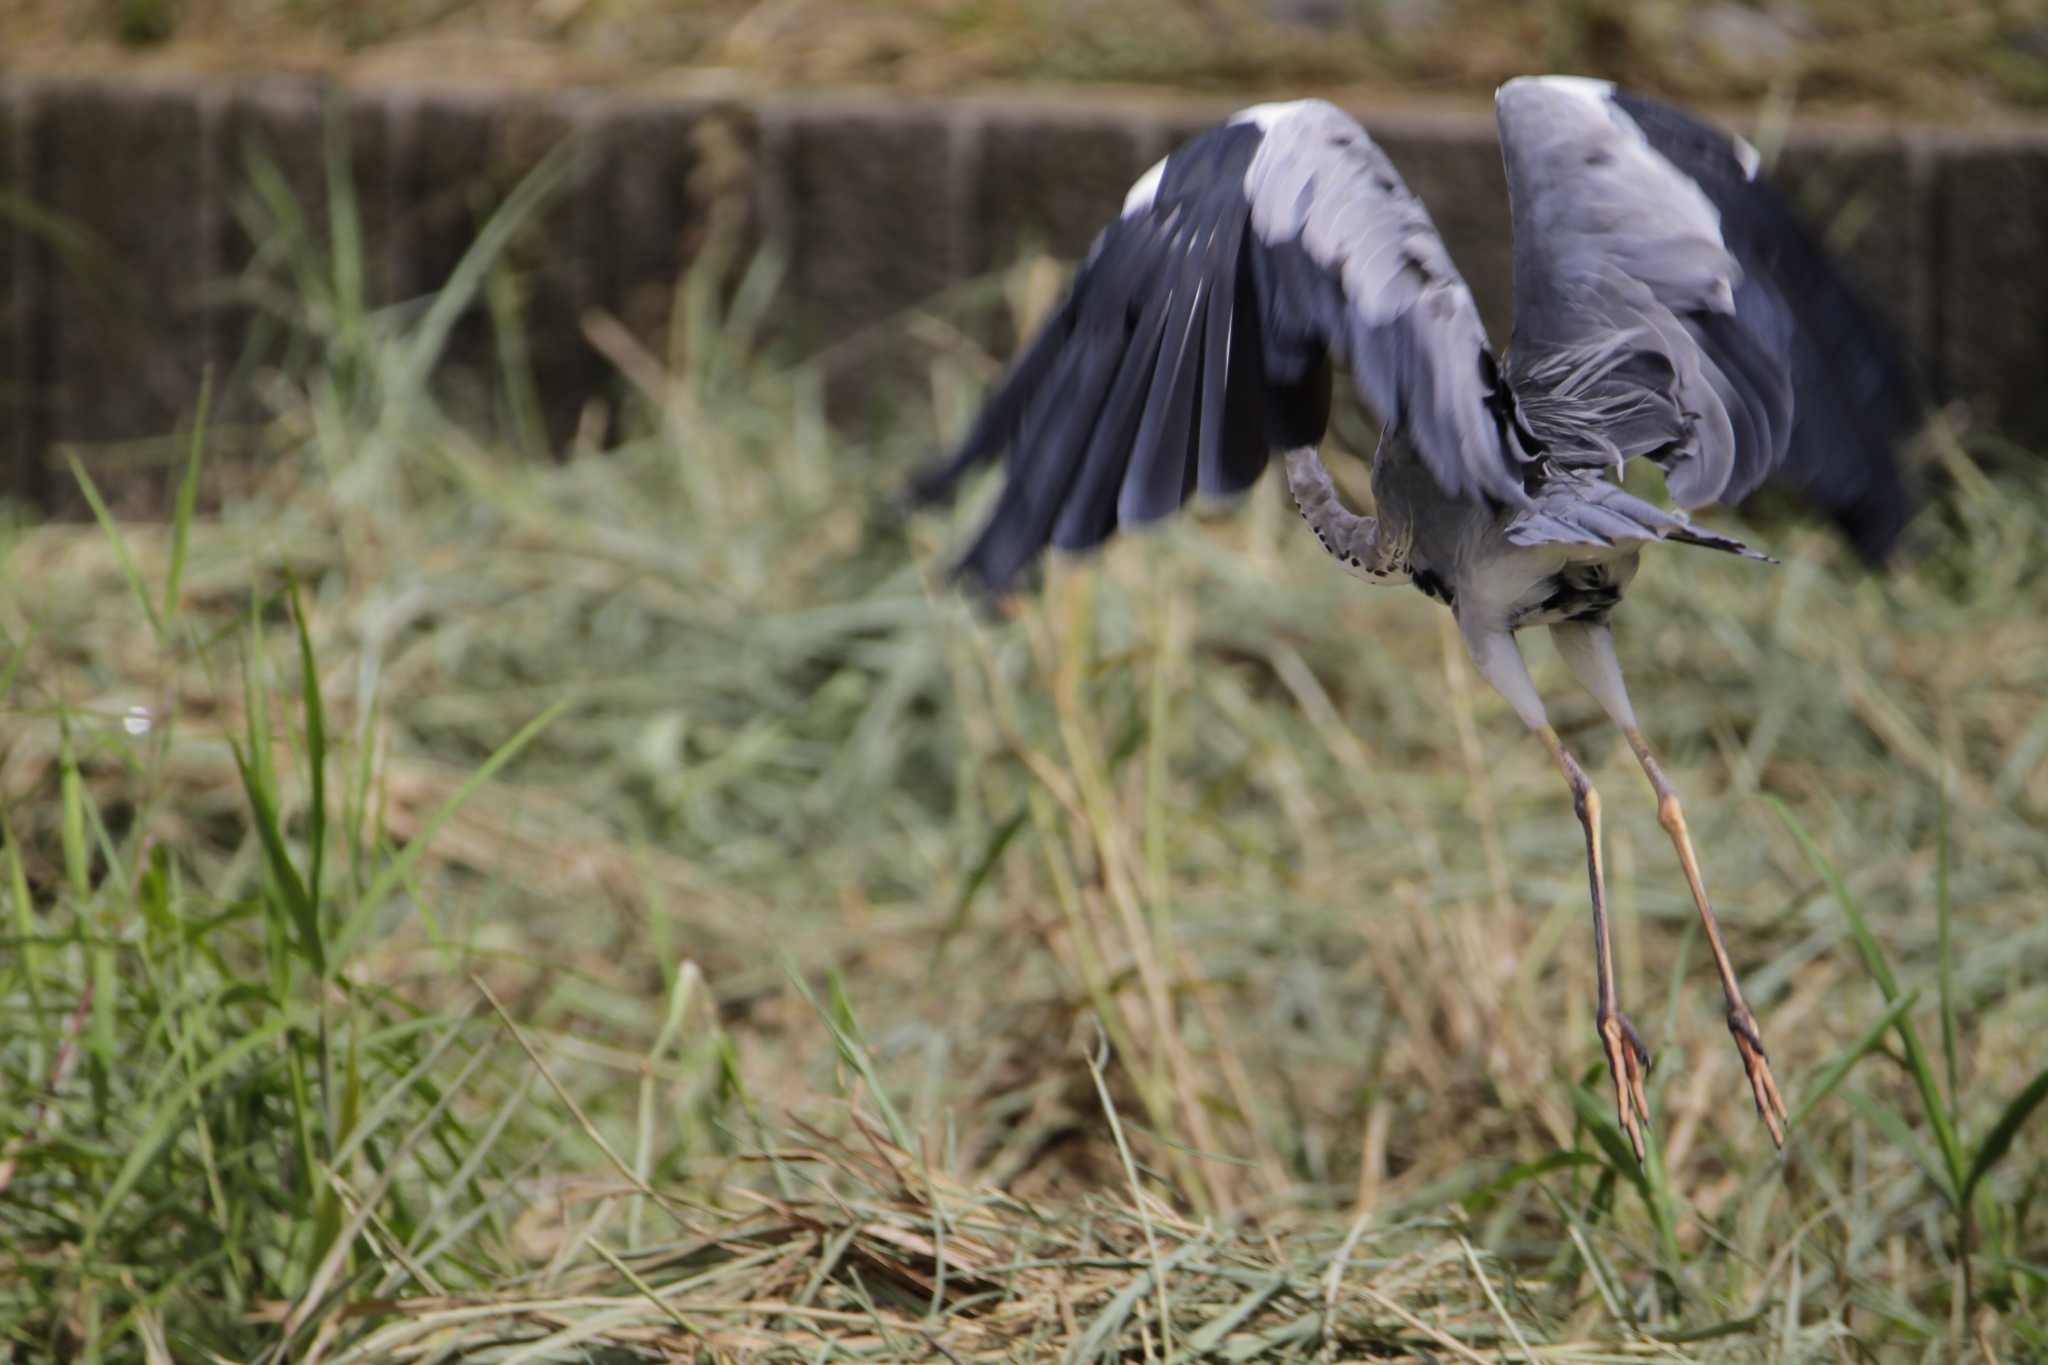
(130, 171)
(455, 155)
(874, 208)
(1050, 176)
(439, 143)
(1181, 118)
(285, 124)
(666, 168)
(1865, 195)
(878, 205)
(20, 384)
(559, 260)
(1990, 308)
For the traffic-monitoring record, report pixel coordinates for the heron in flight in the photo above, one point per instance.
(1667, 307)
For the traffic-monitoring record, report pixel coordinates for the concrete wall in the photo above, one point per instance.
(110, 291)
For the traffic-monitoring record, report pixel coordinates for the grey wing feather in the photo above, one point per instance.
(1378, 288)
(1581, 507)
(1620, 263)
(1200, 333)
(1668, 305)
(1855, 396)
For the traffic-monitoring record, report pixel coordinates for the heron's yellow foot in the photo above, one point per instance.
(1628, 1062)
(1762, 1084)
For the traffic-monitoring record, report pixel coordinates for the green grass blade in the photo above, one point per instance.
(1893, 1126)
(1098, 1340)
(1483, 1199)
(395, 871)
(1943, 916)
(344, 226)
(977, 877)
(120, 545)
(1917, 1061)
(1999, 1139)
(259, 786)
(187, 501)
(303, 915)
(16, 657)
(24, 915)
(1204, 1340)
(465, 282)
(853, 1051)
(163, 1124)
(71, 792)
(1645, 1176)
(1836, 1071)
(316, 744)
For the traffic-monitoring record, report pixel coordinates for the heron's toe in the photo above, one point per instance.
(1762, 1084)
(1628, 1062)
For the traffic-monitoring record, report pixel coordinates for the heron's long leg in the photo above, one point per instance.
(1628, 1061)
(1589, 651)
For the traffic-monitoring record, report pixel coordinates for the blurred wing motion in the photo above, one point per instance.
(1199, 333)
(1668, 304)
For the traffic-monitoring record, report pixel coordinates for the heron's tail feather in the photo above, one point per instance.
(1693, 535)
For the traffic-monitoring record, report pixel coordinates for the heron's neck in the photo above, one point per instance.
(1354, 541)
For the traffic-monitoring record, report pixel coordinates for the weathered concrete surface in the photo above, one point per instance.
(1990, 257)
(19, 383)
(1866, 194)
(873, 204)
(293, 128)
(877, 204)
(135, 185)
(871, 201)
(1051, 174)
(665, 170)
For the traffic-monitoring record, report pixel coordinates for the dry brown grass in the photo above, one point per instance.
(1190, 963)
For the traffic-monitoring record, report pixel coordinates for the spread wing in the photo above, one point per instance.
(1668, 304)
(1199, 335)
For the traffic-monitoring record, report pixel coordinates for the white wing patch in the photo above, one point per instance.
(1585, 88)
(1746, 155)
(1266, 115)
(1599, 92)
(1671, 235)
(1145, 190)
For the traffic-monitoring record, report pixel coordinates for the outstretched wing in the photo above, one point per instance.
(1669, 304)
(1199, 333)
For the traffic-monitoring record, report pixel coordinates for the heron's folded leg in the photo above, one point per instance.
(1589, 651)
(1628, 1061)
(1353, 541)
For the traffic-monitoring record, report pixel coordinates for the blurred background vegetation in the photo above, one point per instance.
(1953, 58)
(461, 904)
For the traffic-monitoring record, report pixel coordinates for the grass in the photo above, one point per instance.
(1936, 57)
(460, 907)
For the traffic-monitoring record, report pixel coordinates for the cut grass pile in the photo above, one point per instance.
(1943, 57)
(459, 907)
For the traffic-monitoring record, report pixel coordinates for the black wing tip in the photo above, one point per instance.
(937, 481)
(994, 587)
(1876, 528)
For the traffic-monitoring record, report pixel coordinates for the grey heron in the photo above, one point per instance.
(1667, 307)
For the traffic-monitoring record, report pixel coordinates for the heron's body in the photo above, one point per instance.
(1667, 308)
(1465, 554)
